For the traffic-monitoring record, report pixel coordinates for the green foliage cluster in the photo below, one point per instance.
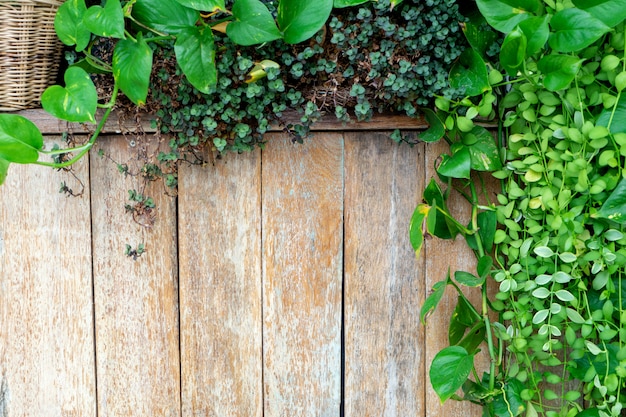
(554, 241)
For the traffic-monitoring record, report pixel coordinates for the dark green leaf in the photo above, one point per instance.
(616, 116)
(589, 412)
(4, 169)
(348, 3)
(300, 20)
(69, 24)
(463, 317)
(537, 32)
(456, 166)
(574, 29)
(487, 225)
(513, 51)
(132, 65)
(469, 74)
(20, 141)
(483, 150)
(479, 39)
(195, 53)
(166, 16)
(204, 5)
(76, 102)
(443, 228)
(436, 129)
(449, 370)
(558, 70)
(483, 268)
(253, 23)
(514, 404)
(107, 21)
(610, 12)
(431, 302)
(504, 15)
(614, 208)
(467, 279)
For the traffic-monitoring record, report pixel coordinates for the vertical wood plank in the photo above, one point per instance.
(136, 301)
(46, 318)
(302, 275)
(220, 287)
(440, 255)
(384, 282)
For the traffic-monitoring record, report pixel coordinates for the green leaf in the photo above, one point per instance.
(299, 20)
(618, 120)
(436, 129)
(483, 268)
(479, 39)
(20, 141)
(504, 15)
(69, 24)
(443, 228)
(559, 70)
(195, 53)
(132, 65)
(537, 32)
(347, 3)
(416, 234)
(431, 302)
(253, 23)
(610, 12)
(614, 208)
(456, 166)
(469, 74)
(204, 5)
(468, 279)
(514, 404)
(589, 412)
(4, 169)
(165, 16)
(449, 370)
(464, 318)
(484, 153)
(76, 102)
(107, 21)
(574, 29)
(487, 225)
(513, 51)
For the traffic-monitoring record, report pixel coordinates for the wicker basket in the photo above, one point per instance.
(30, 51)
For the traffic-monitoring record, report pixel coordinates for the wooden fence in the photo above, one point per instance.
(278, 283)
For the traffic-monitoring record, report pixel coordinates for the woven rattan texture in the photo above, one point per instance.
(30, 52)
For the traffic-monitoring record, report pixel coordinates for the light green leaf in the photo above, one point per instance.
(574, 316)
(69, 24)
(347, 3)
(299, 20)
(204, 5)
(541, 292)
(449, 370)
(132, 65)
(20, 141)
(166, 16)
(574, 29)
(76, 102)
(195, 53)
(537, 32)
(559, 70)
(564, 295)
(416, 234)
(468, 279)
(469, 74)
(504, 15)
(610, 12)
(543, 252)
(614, 208)
(253, 24)
(107, 21)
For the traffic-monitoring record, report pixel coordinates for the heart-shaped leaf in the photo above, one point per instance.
(299, 20)
(456, 166)
(469, 74)
(614, 208)
(575, 29)
(610, 12)
(4, 168)
(69, 24)
(537, 31)
(195, 53)
(504, 15)
(107, 21)
(253, 23)
(166, 16)
(204, 5)
(616, 115)
(76, 102)
(483, 150)
(132, 66)
(449, 370)
(20, 141)
(513, 51)
(558, 70)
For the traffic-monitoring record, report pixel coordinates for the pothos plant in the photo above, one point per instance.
(138, 28)
(551, 243)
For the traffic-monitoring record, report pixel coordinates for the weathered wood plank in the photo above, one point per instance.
(136, 301)
(439, 255)
(220, 287)
(384, 282)
(302, 276)
(46, 330)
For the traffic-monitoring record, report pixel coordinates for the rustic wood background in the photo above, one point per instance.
(279, 283)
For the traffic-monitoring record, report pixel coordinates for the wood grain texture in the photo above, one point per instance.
(439, 255)
(384, 282)
(136, 301)
(46, 329)
(302, 276)
(220, 287)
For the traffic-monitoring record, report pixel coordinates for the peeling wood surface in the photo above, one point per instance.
(384, 282)
(275, 284)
